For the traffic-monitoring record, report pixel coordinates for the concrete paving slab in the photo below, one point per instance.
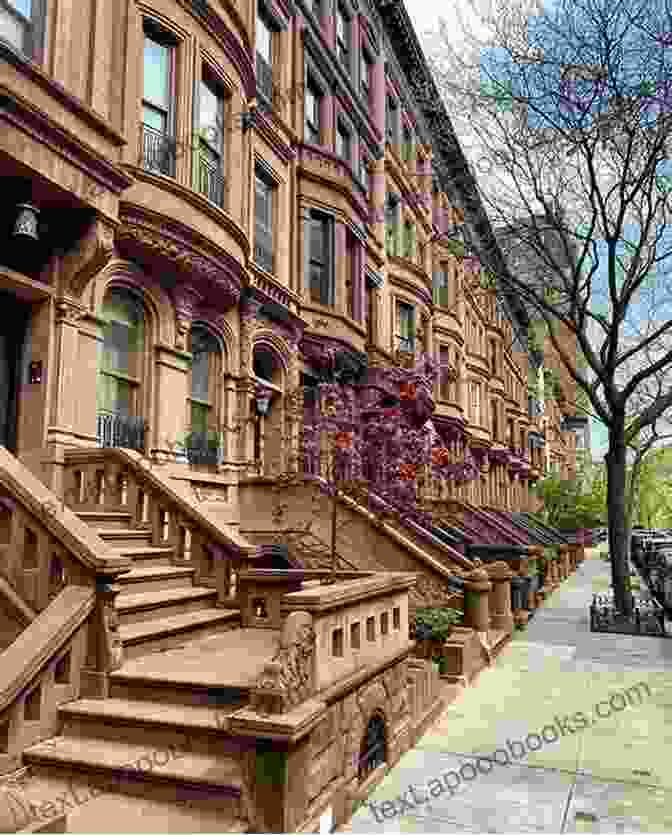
(610, 774)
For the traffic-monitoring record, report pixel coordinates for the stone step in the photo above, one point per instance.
(155, 578)
(169, 632)
(160, 555)
(140, 768)
(194, 729)
(148, 605)
(125, 537)
(107, 519)
(137, 687)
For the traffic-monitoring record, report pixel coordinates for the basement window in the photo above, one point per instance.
(337, 643)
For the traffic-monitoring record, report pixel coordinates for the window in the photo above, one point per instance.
(204, 374)
(396, 618)
(409, 240)
(475, 402)
(392, 225)
(313, 105)
(355, 636)
(351, 282)
(21, 24)
(343, 37)
(123, 349)
(441, 287)
(405, 327)
(371, 629)
(210, 181)
(343, 143)
(320, 266)
(384, 623)
(495, 423)
(370, 314)
(263, 218)
(337, 643)
(444, 363)
(365, 73)
(264, 56)
(158, 151)
(392, 121)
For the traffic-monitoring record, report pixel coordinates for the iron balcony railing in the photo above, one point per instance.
(210, 181)
(203, 448)
(265, 79)
(158, 151)
(114, 430)
(405, 344)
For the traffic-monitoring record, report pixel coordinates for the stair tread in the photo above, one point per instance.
(119, 532)
(156, 571)
(183, 716)
(132, 550)
(85, 810)
(182, 764)
(172, 623)
(155, 598)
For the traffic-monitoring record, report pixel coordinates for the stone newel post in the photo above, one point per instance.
(501, 617)
(477, 587)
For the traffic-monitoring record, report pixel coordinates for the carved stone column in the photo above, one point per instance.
(105, 652)
(501, 617)
(477, 587)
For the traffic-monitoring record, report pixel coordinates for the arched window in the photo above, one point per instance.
(205, 371)
(120, 422)
(373, 751)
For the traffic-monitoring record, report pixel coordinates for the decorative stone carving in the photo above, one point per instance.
(289, 676)
(67, 310)
(186, 300)
(87, 258)
(217, 276)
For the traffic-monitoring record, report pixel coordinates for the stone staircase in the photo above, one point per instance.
(158, 747)
(159, 605)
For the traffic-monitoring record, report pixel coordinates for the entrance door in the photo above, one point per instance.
(13, 344)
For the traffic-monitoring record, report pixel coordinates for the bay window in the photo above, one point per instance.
(210, 180)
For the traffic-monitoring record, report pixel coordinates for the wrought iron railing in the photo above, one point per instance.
(203, 448)
(210, 181)
(265, 79)
(647, 618)
(405, 344)
(158, 151)
(114, 430)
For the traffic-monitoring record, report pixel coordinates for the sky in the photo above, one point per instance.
(425, 18)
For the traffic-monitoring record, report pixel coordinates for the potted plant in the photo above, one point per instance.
(432, 626)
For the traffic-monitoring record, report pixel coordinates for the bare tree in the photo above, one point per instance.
(570, 108)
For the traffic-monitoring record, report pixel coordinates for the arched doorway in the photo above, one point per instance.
(373, 750)
(120, 379)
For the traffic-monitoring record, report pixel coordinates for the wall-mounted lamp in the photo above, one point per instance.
(27, 222)
(35, 372)
(263, 397)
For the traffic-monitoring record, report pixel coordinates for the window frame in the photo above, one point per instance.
(344, 45)
(32, 28)
(392, 110)
(365, 74)
(208, 155)
(405, 344)
(211, 402)
(326, 264)
(317, 91)
(263, 16)
(344, 133)
(262, 175)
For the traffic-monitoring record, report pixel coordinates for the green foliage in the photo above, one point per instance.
(568, 505)
(432, 624)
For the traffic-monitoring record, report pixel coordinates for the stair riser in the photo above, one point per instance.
(147, 645)
(129, 541)
(158, 584)
(167, 743)
(100, 521)
(225, 699)
(151, 560)
(160, 611)
(153, 788)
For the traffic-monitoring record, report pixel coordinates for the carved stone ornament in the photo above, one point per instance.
(186, 300)
(217, 276)
(289, 676)
(87, 257)
(67, 310)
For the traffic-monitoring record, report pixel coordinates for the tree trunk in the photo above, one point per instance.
(619, 544)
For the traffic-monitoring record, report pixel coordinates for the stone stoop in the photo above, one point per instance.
(170, 757)
(159, 605)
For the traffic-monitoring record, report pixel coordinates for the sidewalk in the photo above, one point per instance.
(612, 776)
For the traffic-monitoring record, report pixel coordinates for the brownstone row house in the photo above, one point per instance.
(207, 206)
